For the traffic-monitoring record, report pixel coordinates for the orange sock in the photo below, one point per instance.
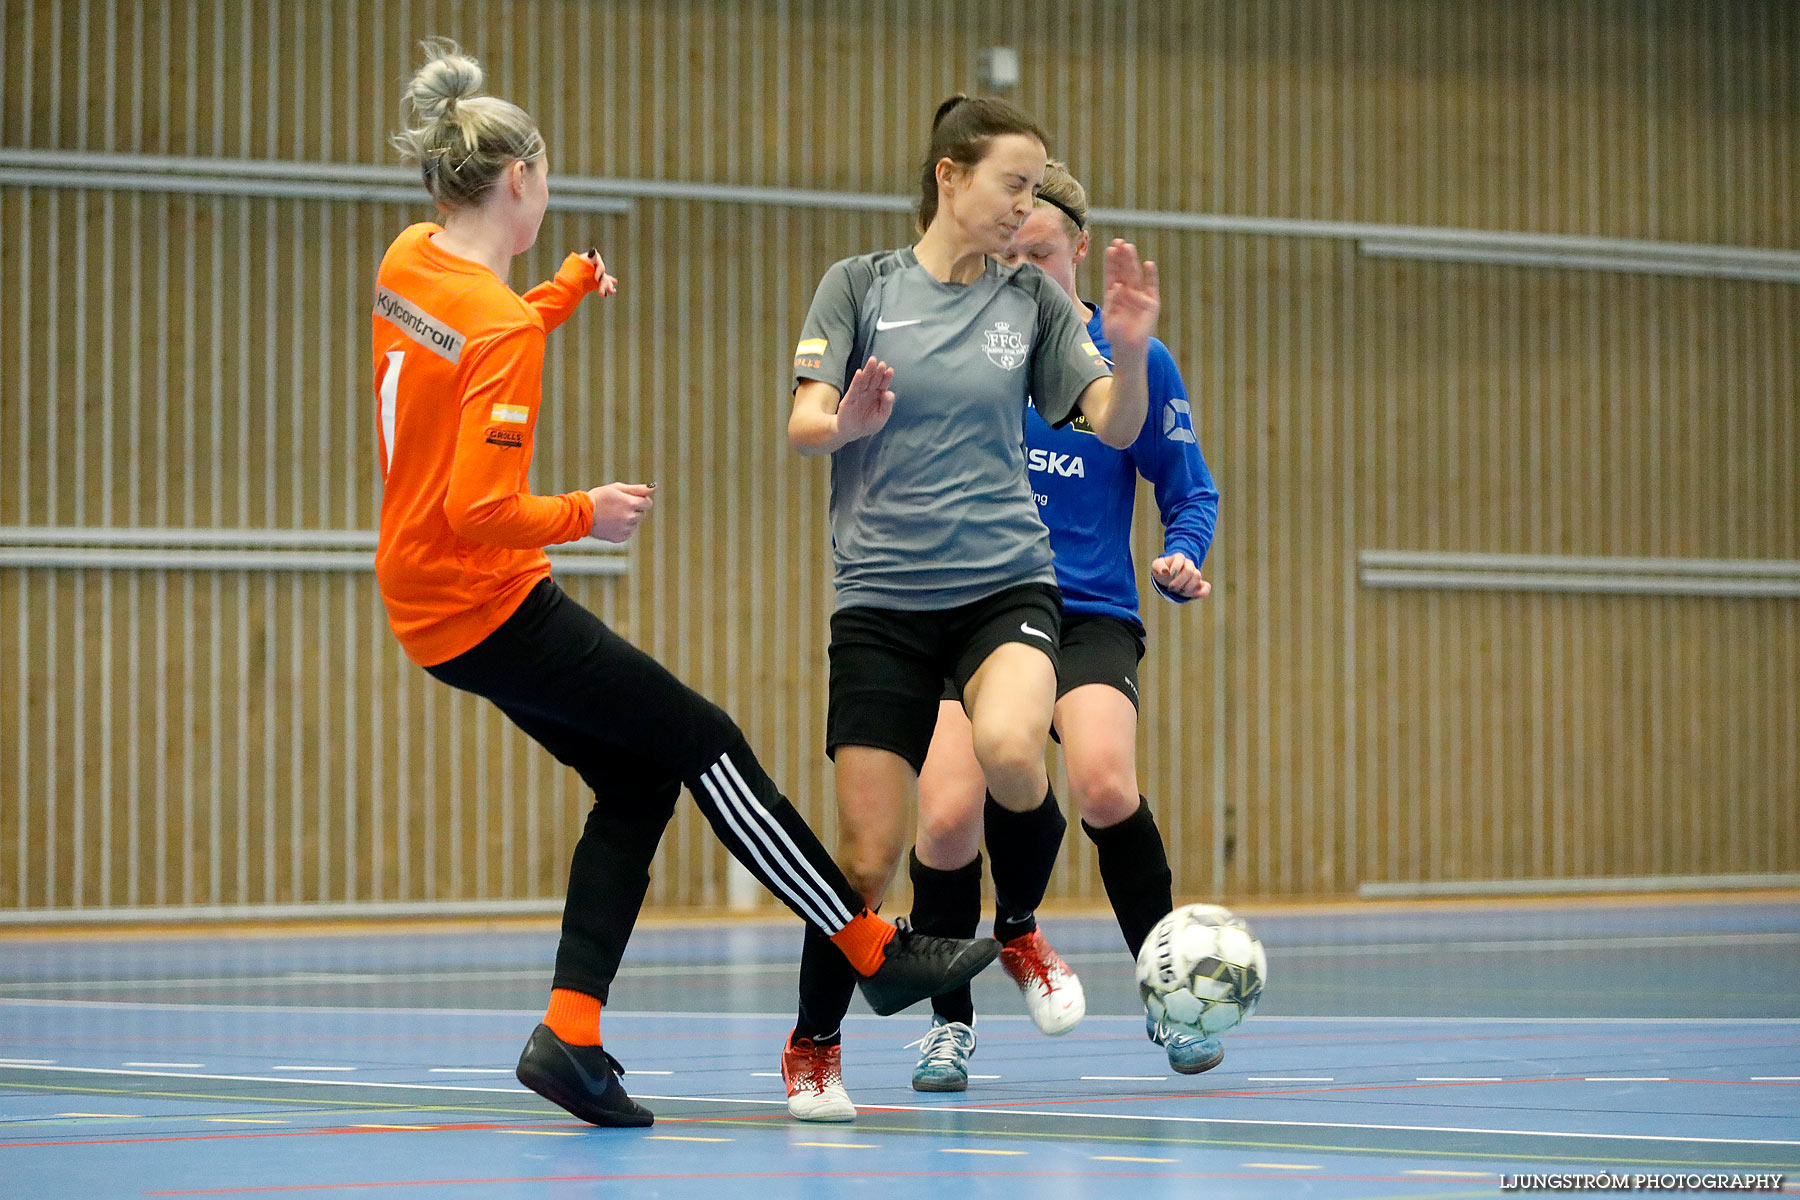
(574, 1017)
(864, 942)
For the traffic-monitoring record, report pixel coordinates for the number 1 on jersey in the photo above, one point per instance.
(390, 394)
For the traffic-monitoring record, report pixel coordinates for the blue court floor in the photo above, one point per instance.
(1435, 1051)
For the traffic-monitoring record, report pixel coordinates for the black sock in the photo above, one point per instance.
(1134, 867)
(1022, 848)
(827, 982)
(948, 904)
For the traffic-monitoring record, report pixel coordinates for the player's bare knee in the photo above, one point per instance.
(1104, 798)
(948, 840)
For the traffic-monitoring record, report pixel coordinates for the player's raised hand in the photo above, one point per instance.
(1177, 575)
(608, 284)
(619, 508)
(1133, 298)
(867, 402)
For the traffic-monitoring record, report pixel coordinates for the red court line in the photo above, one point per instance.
(745, 1175)
(316, 1131)
(1349, 1088)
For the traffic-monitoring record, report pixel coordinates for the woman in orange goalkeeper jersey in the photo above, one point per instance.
(461, 567)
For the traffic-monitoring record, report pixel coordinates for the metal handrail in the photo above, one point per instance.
(58, 168)
(177, 549)
(1599, 575)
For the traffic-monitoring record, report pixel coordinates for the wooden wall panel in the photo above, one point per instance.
(177, 738)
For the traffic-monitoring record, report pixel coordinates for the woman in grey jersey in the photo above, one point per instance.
(1088, 506)
(913, 371)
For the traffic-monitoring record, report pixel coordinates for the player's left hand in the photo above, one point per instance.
(1133, 298)
(608, 284)
(1176, 574)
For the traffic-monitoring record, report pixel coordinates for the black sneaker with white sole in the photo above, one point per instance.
(919, 966)
(582, 1079)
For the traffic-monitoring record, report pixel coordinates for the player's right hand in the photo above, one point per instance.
(604, 281)
(867, 403)
(619, 508)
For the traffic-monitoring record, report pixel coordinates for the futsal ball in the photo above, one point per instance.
(1201, 969)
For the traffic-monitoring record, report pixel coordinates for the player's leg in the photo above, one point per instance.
(946, 879)
(557, 666)
(1097, 719)
(632, 731)
(1010, 694)
(886, 677)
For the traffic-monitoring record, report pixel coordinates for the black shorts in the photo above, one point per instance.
(888, 667)
(1099, 649)
(1093, 649)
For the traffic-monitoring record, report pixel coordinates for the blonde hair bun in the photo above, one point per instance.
(447, 77)
(464, 138)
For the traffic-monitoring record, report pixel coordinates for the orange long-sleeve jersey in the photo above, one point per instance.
(459, 361)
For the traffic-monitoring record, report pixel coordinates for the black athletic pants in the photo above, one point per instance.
(635, 734)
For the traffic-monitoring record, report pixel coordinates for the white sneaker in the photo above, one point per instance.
(815, 1081)
(944, 1057)
(1053, 995)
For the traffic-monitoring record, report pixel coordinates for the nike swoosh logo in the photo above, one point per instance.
(594, 1087)
(1025, 627)
(884, 326)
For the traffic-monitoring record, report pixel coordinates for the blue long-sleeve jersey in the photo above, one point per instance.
(1086, 491)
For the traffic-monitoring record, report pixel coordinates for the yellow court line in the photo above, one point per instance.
(244, 1121)
(841, 1145)
(1283, 1166)
(114, 1116)
(1455, 1174)
(669, 1137)
(1128, 1158)
(394, 1127)
(543, 1132)
(961, 1150)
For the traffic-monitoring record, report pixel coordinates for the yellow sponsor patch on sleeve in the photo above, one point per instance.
(810, 346)
(1093, 352)
(516, 414)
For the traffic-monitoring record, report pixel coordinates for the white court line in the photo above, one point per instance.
(1545, 1133)
(1625, 1079)
(362, 1083)
(714, 1015)
(470, 1070)
(940, 1108)
(26, 1062)
(290, 979)
(191, 1066)
(1124, 1078)
(303, 1067)
(1775, 1079)
(1459, 1079)
(1449, 1174)
(1289, 1079)
(1334, 950)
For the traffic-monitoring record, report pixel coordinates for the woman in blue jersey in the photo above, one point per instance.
(1085, 491)
(911, 371)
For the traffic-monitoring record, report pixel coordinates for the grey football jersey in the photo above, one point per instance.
(935, 510)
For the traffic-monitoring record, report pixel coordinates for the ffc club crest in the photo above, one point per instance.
(1005, 348)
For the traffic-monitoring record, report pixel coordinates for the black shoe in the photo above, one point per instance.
(919, 966)
(582, 1079)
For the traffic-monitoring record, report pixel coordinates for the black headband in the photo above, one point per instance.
(1080, 222)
